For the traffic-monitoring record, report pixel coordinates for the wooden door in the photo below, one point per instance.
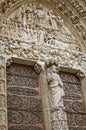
(23, 98)
(74, 102)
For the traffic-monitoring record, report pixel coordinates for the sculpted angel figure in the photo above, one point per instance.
(56, 91)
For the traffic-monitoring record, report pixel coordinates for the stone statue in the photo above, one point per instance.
(29, 14)
(2, 86)
(41, 35)
(2, 101)
(53, 21)
(56, 94)
(2, 116)
(56, 91)
(56, 21)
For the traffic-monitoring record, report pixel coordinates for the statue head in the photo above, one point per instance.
(55, 68)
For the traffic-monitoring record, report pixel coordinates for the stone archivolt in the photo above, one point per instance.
(3, 97)
(34, 32)
(76, 11)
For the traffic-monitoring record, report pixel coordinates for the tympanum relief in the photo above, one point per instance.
(32, 31)
(73, 10)
(38, 24)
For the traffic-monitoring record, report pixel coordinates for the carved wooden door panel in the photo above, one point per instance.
(74, 102)
(24, 98)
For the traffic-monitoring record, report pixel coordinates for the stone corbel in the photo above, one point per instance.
(4, 59)
(81, 74)
(39, 66)
(8, 60)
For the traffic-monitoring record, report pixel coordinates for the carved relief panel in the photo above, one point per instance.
(34, 24)
(24, 99)
(74, 102)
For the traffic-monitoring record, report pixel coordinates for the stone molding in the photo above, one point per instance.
(3, 94)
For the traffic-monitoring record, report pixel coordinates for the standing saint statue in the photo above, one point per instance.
(56, 91)
(56, 94)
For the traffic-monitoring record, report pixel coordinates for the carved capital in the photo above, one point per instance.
(39, 66)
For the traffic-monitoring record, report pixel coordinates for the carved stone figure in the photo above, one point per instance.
(2, 101)
(2, 86)
(2, 117)
(41, 34)
(40, 15)
(56, 91)
(53, 20)
(56, 94)
(2, 72)
(29, 14)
